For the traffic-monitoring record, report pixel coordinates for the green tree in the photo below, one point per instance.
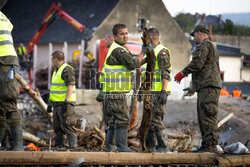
(185, 21)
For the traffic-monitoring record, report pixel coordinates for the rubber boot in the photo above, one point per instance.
(121, 139)
(72, 142)
(2, 131)
(59, 141)
(151, 141)
(110, 139)
(17, 138)
(162, 140)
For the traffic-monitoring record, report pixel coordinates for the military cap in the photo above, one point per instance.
(201, 28)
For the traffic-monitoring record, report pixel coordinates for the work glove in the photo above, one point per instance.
(100, 96)
(178, 77)
(163, 97)
(146, 49)
(49, 108)
(65, 105)
(140, 96)
(188, 91)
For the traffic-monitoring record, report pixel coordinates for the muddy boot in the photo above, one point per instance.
(110, 139)
(2, 131)
(162, 140)
(211, 149)
(59, 141)
(121, 139)
(151, 141)
(17, 138)
(72, 142)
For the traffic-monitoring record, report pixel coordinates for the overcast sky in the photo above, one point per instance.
(213, 7)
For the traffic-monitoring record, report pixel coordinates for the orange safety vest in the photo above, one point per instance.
(236, 93)
(32, 147)
(224, 92)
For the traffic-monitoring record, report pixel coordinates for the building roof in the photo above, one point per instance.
(208, 19)
(228, 50)
(27, 16)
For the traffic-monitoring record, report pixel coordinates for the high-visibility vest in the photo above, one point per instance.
(157, 79)
(115, 78)
(236, 93)
(6, 41)
(58, 88)
(224, 92)
(22, 50)
(227, 93)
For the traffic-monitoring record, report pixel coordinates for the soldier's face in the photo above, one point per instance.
(109, 40)
(54, 61)
(197, 37)
(122, 36)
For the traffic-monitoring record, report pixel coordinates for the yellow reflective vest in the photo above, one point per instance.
(22, 50)
(115, 78)
(58, 88)
(6, 41)
(157, 79)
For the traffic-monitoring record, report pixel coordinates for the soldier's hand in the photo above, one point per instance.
(140, 96)
(146, 49)
(49, 108)
(178, 77)
(65, 105)
(188, 91)
(163, 97)
(100, 96)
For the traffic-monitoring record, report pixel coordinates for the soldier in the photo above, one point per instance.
(206, 81)
(116, 83)
(22, 55)
(9, 90)
(161, 88)
(62, 99)
(110, 138)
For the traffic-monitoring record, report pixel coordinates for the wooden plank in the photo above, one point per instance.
(236, 160)
(225, 119)
(103, 158)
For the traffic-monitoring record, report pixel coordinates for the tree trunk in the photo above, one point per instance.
(30, 137)
(107, 158)
(147, 105)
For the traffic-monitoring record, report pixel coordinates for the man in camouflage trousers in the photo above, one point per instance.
(161, 88)
(117, 82)
(206, 81)
(62, 99)
(109, 138)
(9, 114)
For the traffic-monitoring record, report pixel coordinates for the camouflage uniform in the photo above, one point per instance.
(116, 103)
(9, 91)
(64, 120)
(207, 83)
(118, 106)
(106, 116)
(157, 128)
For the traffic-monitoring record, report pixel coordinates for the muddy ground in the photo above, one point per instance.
(181, 115)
